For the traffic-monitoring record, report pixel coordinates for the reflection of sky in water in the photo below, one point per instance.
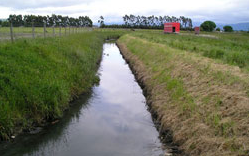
(115, 121)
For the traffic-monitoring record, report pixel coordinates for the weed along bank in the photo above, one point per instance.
(47, 74)
(173, 27)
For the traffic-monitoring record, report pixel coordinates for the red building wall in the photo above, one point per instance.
(197, 30)
(172, 27)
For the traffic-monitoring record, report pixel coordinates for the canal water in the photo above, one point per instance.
(111, 120)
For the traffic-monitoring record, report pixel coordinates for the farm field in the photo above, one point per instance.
(26, 32)
(230, 48)
(196, 85)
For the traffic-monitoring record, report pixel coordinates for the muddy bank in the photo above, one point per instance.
(143, 77)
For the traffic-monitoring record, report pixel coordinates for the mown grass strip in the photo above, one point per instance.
(204, 102)
(161, 72)
(231, 48)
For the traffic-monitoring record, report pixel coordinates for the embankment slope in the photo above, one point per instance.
(38, 78)
(202, 102)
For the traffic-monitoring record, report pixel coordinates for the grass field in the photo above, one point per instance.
(39, 77)
(231, 48)
(201, 96)
(26, 32)
(198, 85)
(39, 29)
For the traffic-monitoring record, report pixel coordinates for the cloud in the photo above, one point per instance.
(222, 11)
(27, 4)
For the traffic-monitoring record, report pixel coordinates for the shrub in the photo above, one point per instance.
(208, 26)
(218, 29)
(228, 28)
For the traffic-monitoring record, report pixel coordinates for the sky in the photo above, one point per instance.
(219, 11)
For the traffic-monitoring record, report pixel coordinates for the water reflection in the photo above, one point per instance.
(51, 136)
(110, 121)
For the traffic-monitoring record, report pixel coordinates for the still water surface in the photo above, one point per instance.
(111, 120)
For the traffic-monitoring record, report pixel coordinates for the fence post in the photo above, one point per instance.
(53, 30)
(60, 31)
(33, 30)
(44, 30)
(65, 31)
(11, 32)
(69, 30)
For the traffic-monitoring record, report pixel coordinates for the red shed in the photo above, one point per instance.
(172, 27)
(197, 30)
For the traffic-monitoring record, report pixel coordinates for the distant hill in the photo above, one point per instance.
(237, 26)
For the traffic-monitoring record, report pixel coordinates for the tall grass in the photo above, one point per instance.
(39, 77)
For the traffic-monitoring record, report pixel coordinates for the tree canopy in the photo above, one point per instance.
(228, 28)
(101, 21)
(208, 26)
(53, 20)
(217, 29)
(152, 22)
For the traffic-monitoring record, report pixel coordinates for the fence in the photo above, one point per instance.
(13, 33)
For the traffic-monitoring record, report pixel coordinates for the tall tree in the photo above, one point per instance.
(208, 26)
(101, 21)
(16, 20)
(228, 28)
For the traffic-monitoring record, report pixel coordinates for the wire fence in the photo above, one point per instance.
(12, 33)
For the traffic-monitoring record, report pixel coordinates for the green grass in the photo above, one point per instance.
(40, 29)
(26, 32)
(39, 77)
(153, 57)
(231, 48)
(189, 90)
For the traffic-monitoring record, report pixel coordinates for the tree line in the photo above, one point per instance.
(210, 26)
(150, 22)
(53, 20)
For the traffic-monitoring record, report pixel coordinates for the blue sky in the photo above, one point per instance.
(220, 11)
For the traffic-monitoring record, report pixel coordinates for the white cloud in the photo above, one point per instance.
(25, 4)
(230, 11)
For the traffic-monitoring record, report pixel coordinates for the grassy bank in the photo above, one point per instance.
(39, 77)
(202, 101)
